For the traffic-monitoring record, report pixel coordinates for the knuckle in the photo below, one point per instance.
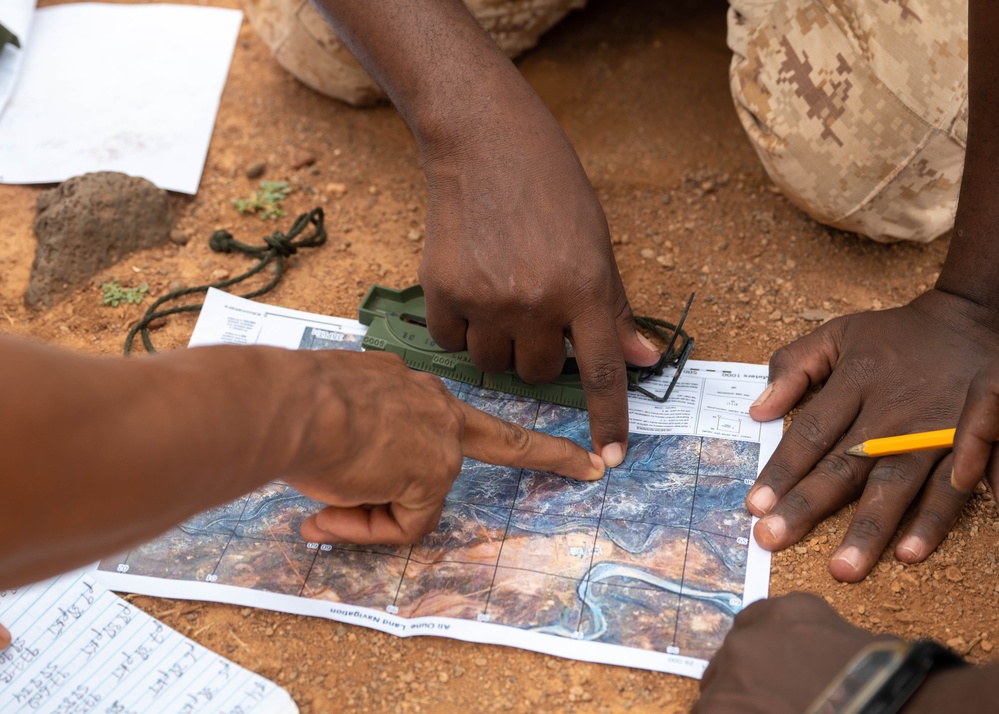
(799, 505)
(891, 474)
(782, 360)
(516, 437)
(868, 528)
(842, 473)
(809, 431)
(604, 378)
(935, 520)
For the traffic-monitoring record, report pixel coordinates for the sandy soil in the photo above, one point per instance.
(641, 89)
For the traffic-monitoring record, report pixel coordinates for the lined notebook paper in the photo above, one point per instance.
(77, 647)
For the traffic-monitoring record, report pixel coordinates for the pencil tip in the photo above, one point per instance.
(857, 450)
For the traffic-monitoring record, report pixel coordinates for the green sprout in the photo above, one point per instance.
(115, 294)
(267, 201)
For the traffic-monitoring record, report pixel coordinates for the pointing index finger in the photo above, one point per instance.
(605, 382)
(495, 441)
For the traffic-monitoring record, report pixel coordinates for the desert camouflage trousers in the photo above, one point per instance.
(858, 109)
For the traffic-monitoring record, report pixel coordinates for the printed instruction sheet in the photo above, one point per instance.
(645, 568)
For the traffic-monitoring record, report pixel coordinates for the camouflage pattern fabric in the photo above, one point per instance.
(858, 110)
(307, 47)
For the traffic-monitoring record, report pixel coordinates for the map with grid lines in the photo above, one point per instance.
(651, 559)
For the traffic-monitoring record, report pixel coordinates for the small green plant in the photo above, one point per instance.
(267, 201)
(115, 294)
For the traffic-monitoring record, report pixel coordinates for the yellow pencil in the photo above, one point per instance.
(942, 439)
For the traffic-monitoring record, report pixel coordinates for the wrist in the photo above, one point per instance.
(883, 677)
(241, 403)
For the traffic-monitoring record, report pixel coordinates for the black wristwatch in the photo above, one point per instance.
(882, 677)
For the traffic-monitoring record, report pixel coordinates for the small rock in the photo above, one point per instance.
(341, 630)
(176, 285)
(220, 274)
(255, 170)
(337, 190)
(666, 199)
(775, 315)
(666, 260)
(157, 323)
(480, 661)
(442, 677)
(815, 315)
(953, 573)
(87, 224)
(179, 237)
(958, 644)
(648, 253)
(414, 235)
(987, 645)
(301, 158)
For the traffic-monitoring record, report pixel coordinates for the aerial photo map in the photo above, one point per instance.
(646, 567)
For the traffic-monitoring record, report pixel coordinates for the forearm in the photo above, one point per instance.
(975, 688)
(972, 267)
(100, 454)
(443, 72)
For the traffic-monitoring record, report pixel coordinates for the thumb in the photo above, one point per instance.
(4, 638)
(637, 348)
(804, 363)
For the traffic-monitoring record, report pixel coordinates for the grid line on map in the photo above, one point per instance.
(686, 543)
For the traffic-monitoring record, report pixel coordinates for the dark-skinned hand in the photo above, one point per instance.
(403, 445)
(885, 373)
(518, 257)
(782, 653)
(779, 656)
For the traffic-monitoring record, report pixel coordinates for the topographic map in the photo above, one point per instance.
(646, 567)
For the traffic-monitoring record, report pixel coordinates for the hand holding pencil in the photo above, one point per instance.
(973, 441)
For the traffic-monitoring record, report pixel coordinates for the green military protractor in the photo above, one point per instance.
(7, 37)
(397, 322)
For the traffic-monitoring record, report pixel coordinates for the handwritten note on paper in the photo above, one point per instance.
(76, 647)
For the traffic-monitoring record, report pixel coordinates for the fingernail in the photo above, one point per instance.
(613, 455)
(762, 499)
(598, 464)
(955, 485)
(913, 546)
(776, 526)
(647, 343)
(849, 555)
(763, 397)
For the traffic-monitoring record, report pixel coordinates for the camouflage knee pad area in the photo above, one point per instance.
(858, 110)
(305, 45)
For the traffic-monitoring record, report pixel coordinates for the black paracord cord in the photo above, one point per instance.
(278, 246)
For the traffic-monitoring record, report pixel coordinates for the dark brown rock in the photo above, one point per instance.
(89, 223)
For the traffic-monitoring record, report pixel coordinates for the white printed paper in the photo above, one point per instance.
(129, 88)
(16, 16)
(645, 568)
